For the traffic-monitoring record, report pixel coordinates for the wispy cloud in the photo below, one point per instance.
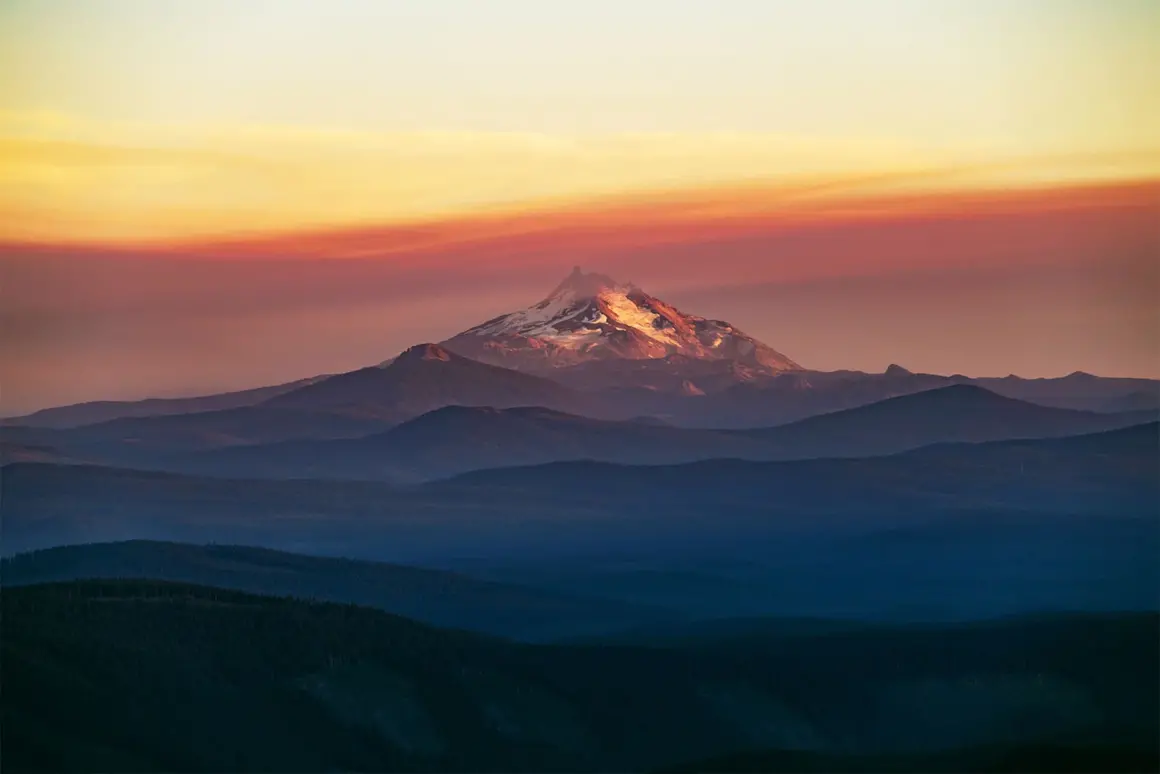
(69, 179)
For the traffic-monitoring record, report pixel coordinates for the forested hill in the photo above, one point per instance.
(153, 676)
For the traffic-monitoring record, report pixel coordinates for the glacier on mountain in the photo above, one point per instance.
(590, 317)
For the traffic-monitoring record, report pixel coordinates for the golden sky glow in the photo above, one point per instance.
(954, 185)
(146, 120)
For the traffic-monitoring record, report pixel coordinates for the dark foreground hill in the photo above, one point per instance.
(153, 676)
(998, 759)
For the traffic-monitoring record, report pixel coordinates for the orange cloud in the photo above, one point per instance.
(668, 218)
(910, 229)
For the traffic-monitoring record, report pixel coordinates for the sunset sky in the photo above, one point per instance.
(199, 195)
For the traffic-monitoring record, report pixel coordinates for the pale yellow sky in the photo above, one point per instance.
(154, 119)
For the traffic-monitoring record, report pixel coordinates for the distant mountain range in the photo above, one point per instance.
(710, 395)
(105, 410)
(578, 507)
(736, 561)
(457, 439)
(955, 414)
(424, 378)
(349, 405)
(594, 347)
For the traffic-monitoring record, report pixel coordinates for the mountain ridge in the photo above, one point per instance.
(431, 596)
(666, 389)
(456, 439)
(425, 377)
(453, 439)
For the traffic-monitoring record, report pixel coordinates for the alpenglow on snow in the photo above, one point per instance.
(593, 317)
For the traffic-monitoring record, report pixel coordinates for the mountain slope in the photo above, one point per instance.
(435, 597)
(578, 506)
(789, 397)
(591, 317)
(1140, 400)
(347, 405)
(145, 442)
(946, 532)
(423, 378)
(955, 414)
(228, 427)
(1102, 471)
(457, 439)
(104, 411)
(1078, 390)
(11, 451)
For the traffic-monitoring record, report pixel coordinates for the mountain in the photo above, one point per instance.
(135, 439)
(792, 396)
(958, 413)
(1101, 472)
(347, 405)
(591, 317)
(11, 451)
(956, 531)
(673, 375)
(423, 378)
(688, 390)
(435, 597)
(456, 439)
(1079, 390)
(144, 675)
(1140, 400)
(103, 411)
(147, 442)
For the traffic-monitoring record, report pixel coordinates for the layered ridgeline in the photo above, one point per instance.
(593, 347)
(456, 439)
(592, 317)
(954, 531)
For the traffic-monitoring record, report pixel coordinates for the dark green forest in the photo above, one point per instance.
(153, 676)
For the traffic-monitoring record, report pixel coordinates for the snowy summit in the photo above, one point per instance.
(593, 317)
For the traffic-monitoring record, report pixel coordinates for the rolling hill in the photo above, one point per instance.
(435, 597)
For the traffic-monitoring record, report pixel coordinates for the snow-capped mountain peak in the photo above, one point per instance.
(581, 285)
(593, 317)
(571, 305)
